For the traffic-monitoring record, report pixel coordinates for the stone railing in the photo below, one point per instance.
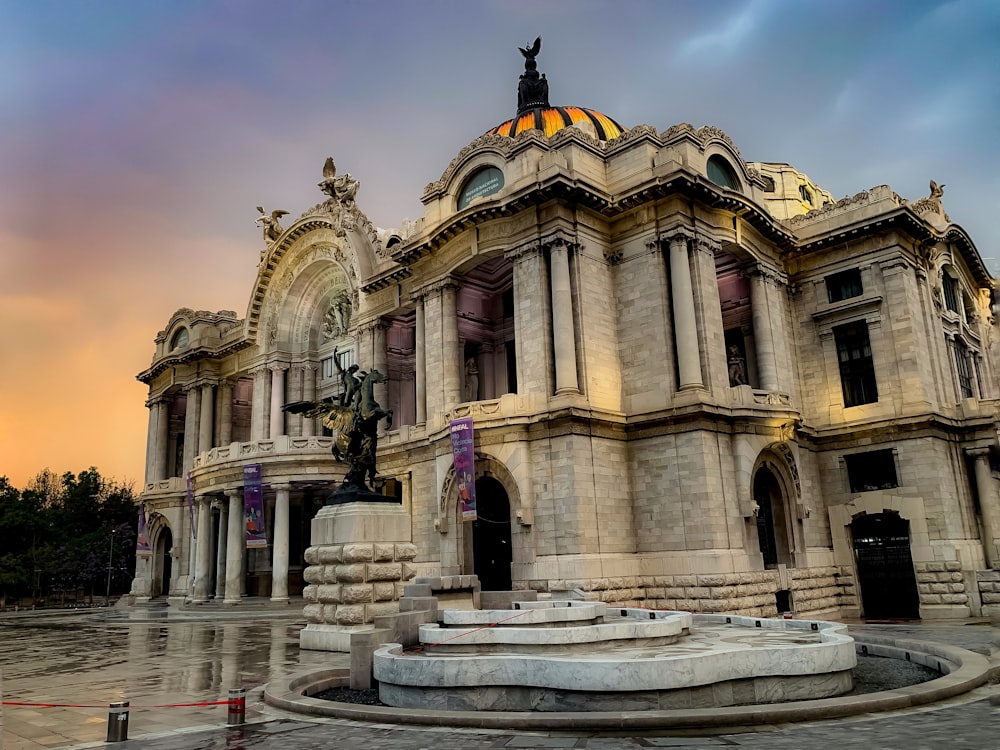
(279, 446)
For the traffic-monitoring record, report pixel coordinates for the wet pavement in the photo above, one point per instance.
(87, 661)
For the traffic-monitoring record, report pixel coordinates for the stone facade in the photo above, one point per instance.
(697, 383)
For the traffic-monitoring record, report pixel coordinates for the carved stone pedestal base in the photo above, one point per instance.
(360, 557)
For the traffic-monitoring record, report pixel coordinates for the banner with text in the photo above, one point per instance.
(465, 465)
(253, 506)
(142, 548)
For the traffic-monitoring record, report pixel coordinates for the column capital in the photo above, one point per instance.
(707, 245)
(768, 275)
(277, 366)
(675, 235)
(156, 400)
(524, 250)
(557, 239)
(234, 492)
(276, 486)
(218, 503)
(978, 452)
(439, 286)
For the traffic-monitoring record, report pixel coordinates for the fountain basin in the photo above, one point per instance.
(725, 660)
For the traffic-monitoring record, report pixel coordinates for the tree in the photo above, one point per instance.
(58, 534)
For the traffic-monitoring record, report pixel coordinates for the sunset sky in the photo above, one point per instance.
(136, 138)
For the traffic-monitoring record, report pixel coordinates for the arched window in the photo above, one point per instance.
(180, 340)
(721, 173)
(486, 181)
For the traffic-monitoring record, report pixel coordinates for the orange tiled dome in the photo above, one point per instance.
(550, 120)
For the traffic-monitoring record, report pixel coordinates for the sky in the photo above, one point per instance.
(138, 136)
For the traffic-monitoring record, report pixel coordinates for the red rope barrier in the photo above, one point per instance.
(105, 705)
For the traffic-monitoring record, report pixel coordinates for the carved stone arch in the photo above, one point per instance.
(161, 571)
(777, 460)
(486, 466)
(308, 275)
(304, 242)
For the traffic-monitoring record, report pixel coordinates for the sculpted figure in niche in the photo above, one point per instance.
(471, 380)
(272, 229)
(338, 318)
(737, 366)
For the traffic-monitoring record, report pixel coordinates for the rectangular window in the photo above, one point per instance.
(874, 470)
(950, 288)
(857, 370)
(327, 365)
(844, 285)
(964, 371)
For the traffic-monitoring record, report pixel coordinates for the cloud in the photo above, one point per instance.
(727, 39)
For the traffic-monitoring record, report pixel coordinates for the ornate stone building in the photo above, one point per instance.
(697, 382)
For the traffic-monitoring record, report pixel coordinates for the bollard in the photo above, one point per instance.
(237, 706)
(118, 722)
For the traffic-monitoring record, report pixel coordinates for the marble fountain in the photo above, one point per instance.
(588, 656)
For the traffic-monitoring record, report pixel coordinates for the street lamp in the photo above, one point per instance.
(111, 552)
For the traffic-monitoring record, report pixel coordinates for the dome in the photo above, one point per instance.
(550, 120)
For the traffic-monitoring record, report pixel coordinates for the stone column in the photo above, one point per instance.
(191, 424)
(234, 547)
(162, 439)
(277, 398)
(532, 329)
(563, 332)
(308, 394)
(226, 412)
(380, 361)
(202, 549)
(420, 363)
(205, 417)
(451, 366)
(293, 422)
(279, 563)
(987, 491)
(220, 549)
(767, 365)
(149, 474)
(685, 322)
(258, 416)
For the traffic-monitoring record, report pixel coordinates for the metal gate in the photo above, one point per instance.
(885, 568)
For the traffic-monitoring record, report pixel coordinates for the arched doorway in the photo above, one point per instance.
(886, 578)
(491, 536)
(772, 526)
(162, 563)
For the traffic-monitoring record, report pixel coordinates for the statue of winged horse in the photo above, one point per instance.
(355, 427)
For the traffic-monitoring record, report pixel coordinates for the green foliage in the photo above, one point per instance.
(61, 536)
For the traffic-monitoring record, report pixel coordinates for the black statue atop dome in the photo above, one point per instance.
(532, 88)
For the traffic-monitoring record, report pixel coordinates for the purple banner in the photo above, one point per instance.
(142, 548)
(253, 506)
(190, 500)
(465, 465)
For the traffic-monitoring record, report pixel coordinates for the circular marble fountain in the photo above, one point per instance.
(586, 656)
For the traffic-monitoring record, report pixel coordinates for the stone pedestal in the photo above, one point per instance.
(360, 557)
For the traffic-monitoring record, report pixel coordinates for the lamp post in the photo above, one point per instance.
(111, 552)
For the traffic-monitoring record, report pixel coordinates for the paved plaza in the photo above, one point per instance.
(85, 660)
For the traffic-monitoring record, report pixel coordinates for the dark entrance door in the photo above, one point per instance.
(163, 547)
(491, 547)
(885, 568)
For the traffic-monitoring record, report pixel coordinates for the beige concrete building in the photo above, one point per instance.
(697, 383)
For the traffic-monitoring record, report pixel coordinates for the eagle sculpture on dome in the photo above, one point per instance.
(342, 188)
(530, 53)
